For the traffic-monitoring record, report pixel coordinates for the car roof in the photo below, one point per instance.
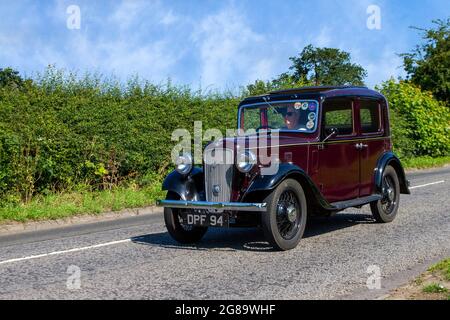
(313, 89)
(308, 92)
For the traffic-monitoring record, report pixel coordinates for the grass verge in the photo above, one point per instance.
(425, 162)
(434, 288)
(443, 267)
(434, 284)
(56, 206)
(64, 205)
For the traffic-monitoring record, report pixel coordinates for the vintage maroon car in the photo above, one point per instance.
(331, 149)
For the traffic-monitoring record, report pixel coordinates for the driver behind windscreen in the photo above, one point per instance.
(292, 119)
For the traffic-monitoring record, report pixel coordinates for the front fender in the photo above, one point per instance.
(269, 182)
(287, 170)
(187, 187)
(389, 158)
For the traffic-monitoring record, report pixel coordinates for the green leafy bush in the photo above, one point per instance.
(420, 124)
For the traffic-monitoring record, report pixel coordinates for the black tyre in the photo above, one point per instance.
(385, 209)
(285, 219)
(182, 233)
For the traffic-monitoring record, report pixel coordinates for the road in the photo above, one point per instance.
(134, 258)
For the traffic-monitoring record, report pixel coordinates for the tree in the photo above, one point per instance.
(258, 87)
(325, 66)
(10, 77)
(428, 65)
(314, 66)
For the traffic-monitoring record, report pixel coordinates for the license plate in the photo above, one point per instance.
(206, 219)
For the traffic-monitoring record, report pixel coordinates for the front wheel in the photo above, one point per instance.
(385, 209)
(182, 233)
(285, 220)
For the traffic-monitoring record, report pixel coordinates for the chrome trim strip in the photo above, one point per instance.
(235, 206)
(326, 142)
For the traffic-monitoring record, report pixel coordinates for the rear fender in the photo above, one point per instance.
(389, 158)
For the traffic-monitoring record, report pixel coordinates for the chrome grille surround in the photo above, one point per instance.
(218, 169)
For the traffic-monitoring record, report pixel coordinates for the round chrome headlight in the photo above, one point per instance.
(245, 161)
(183, 164)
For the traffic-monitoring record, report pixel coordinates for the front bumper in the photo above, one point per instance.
(231, 206)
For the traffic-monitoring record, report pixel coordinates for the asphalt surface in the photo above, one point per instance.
(135, 258)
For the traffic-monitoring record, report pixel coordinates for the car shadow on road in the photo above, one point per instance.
(252, 239)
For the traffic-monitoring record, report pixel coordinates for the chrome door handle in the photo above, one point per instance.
(360, 146)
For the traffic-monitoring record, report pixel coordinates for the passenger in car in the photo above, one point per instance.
(292, 119)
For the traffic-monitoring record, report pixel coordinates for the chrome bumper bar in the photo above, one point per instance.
(234, 206)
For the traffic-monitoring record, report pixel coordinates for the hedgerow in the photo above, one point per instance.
(58, 133)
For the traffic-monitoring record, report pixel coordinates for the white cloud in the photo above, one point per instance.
(386, 66)
(169, 18)
(152, 61)
(230, 50)
(225, 48)
(127, 12)
(117, 45)
(323, 39)
(132, 13)
(122, 56)
(262, 69)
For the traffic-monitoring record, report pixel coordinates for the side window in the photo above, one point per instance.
(338, 114)
(370, 116)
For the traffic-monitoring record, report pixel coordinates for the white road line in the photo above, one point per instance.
(65, 251)
(427, 184)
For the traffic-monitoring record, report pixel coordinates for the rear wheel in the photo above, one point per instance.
(285, 220)
(181, 232)
(385, 209)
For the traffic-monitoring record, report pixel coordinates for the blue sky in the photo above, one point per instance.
(215, 44)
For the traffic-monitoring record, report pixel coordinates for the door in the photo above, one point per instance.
(371, 133)
(338, 176)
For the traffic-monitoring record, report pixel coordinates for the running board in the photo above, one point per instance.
(340, 205)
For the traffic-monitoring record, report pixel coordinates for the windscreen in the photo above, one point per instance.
(299, 115)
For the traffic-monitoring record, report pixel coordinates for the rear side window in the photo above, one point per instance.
(370, 116)
(338, 114)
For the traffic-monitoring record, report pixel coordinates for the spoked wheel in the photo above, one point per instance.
(388, 202)
(385, 209)
(288, 215)
(183, 233)
(285, 220)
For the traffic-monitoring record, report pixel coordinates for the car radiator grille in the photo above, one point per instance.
(218, 178)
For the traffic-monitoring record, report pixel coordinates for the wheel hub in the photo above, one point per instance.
(288, 211)
(390, 194)
(291, 213)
